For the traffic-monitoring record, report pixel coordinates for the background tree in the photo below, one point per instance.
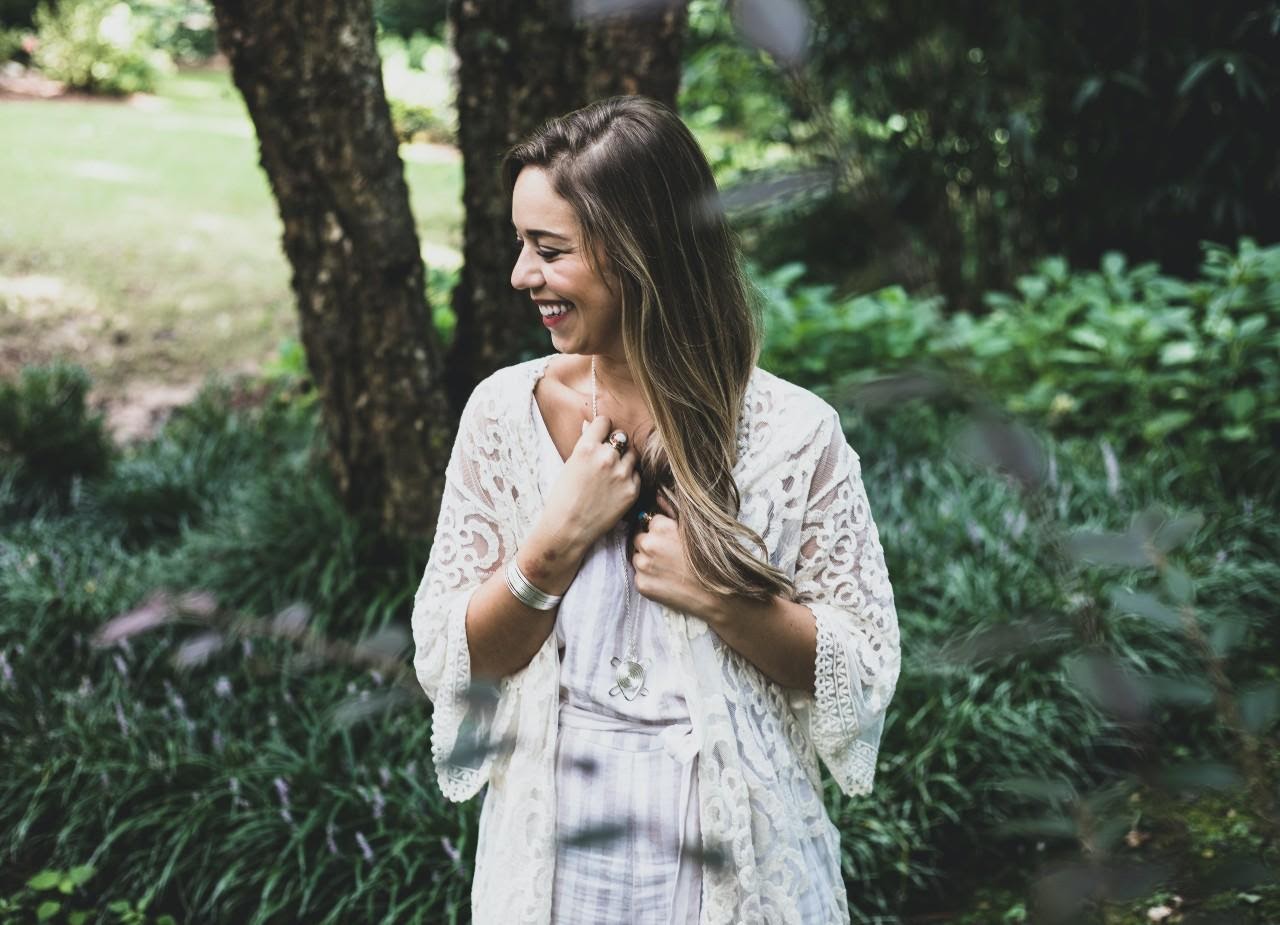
(982, 136)
(311, 78)
(522, 62)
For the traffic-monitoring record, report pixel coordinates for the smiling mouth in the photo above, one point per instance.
(553, 309)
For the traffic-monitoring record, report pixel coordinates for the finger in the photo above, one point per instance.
(596, 430)
(662, 524)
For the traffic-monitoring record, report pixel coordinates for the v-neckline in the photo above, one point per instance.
(546, 431)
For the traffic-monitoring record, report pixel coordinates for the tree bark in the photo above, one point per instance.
(522, 62)
(310, 75)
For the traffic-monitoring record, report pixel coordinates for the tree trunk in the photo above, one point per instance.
(520, 63)
(310, 75)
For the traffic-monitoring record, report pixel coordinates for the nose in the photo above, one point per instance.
(525, 274)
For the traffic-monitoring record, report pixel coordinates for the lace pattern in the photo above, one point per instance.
(760, 791)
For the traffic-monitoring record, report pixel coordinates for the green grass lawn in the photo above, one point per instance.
(141, 237)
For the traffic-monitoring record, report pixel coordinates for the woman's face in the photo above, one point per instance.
(553, 267)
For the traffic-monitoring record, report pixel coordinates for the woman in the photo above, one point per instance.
(663, 556)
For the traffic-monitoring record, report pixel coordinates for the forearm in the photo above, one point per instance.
(503, 634)
(778, 636)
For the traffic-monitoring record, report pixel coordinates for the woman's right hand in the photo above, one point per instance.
(594, 490)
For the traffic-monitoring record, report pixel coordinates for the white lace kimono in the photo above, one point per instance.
(759, 788)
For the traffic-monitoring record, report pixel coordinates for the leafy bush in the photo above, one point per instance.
(117, 758)
(1152, 362)
(98, 46)
(1148, 358)
(408, 17)
(14, 44)
(418, 75)
(813, 337)
(49, 440)
(185, 29)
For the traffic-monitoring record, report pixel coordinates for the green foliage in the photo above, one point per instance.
(119, 757)
(1147, 358)
(965, 142)
(184, 29)
(730, 94)
(98, 46)
(816, 337)
(416, 122)
(43, 899)
(406, 18)
(13, 44)
(1149, 361)
(49, 439)
(418, 74)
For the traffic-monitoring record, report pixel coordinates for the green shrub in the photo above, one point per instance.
(49, 439)
(1153, 360)
(184, 29)
(414, 122)
(13, 45)
(98, 46)
(1155, 364)
(418, 76)
(813, 338)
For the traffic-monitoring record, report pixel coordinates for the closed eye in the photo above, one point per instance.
(544, 253)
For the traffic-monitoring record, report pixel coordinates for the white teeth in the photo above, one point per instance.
(551, 309)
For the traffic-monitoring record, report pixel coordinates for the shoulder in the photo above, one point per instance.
(506, 389)
(788, 408)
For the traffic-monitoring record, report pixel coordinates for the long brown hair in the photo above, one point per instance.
(645, 198)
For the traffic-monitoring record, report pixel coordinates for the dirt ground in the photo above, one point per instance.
(137, 381)
(43, 318)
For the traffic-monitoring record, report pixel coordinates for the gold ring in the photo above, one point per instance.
(645, 519)
(618, 440)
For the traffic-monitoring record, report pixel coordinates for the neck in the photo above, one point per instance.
(613, 375)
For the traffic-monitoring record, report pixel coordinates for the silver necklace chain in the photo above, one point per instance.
(630, 671)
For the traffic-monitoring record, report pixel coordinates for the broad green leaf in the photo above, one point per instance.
(1259, 707)
(1252, 325)
(1050, 791)
(1240, 403)
(1109, 684)
(1165, 423)
(1177, 584)
(1089, 338)
(45, 880)
(1195, 73)
(1146, 605)
(47, 910)
(1183, 351)
(1108, 548)
(1201, 775)
(1227, 633)
(80, 873)
(1174, 533)
(1190, 692)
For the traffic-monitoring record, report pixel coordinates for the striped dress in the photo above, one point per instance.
(626, 789)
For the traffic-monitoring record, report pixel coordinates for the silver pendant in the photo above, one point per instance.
(630, 678)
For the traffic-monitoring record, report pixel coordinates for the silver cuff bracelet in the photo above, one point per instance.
(526, 592)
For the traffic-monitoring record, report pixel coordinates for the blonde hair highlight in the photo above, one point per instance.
(647, 202)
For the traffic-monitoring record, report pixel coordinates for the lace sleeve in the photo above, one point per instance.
(841, 577)
(471, 542)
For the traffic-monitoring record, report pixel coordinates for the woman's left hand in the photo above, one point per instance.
(662, 571)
